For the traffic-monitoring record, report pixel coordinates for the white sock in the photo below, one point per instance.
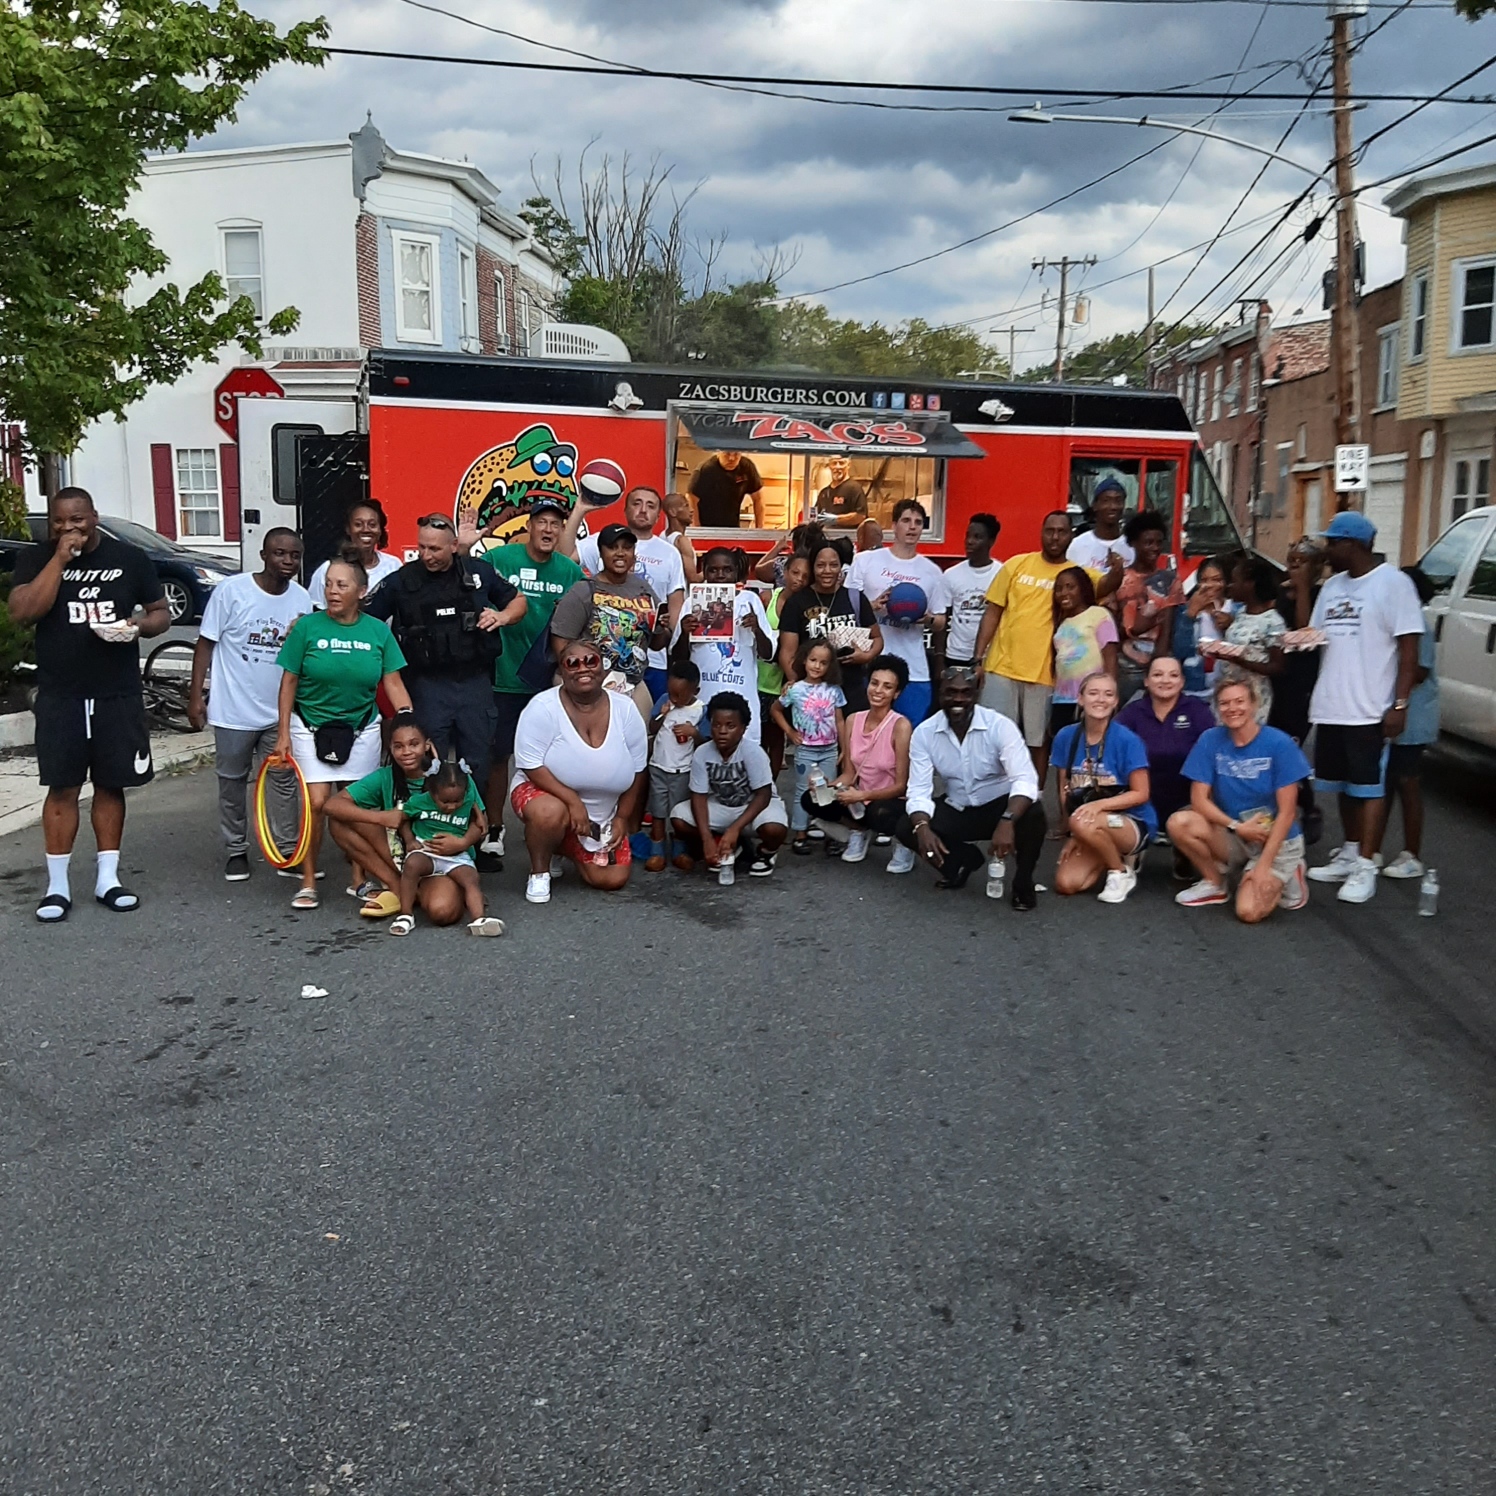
(108, 873)
(57, 874)
(1350, 849)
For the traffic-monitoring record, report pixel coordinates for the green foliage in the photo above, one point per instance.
(554, 233)
(17, 640)
(1122, 353)
(810, 337)
(12, 510)
(87, 89)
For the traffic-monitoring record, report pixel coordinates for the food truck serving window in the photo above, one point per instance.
(768, 470)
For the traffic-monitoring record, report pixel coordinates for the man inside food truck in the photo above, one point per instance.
(843, 501)
(718, 488)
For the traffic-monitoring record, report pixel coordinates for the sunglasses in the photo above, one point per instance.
(434, 522)
(582, 662)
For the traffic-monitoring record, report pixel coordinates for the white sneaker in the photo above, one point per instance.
(1362, 883)
(1404, 865)
(1340, 866)
(902, 861)
(493, 843)
(1118, 885)
(538, 888)
(856, 848)
(1296, 891)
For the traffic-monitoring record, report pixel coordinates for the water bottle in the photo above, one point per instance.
(857, 810)
(1428, 893)
(995, 877)
(727, 872)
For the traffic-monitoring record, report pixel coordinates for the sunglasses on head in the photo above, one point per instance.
(434, 522)
(582, 661)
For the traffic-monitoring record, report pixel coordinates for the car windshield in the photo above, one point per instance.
(147, 540)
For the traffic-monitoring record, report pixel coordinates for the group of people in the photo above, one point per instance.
(567, 680)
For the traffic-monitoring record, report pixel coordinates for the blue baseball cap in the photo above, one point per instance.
(1351, 525)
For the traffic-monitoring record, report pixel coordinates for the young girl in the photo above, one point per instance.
(770, 674)
(1104, 796)
(814, 725)
(1195, 624)
(1255, 634)
(1085, 641)
(441, 824)
(364, 818)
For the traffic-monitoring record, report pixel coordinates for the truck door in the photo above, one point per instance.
(1467, 634)
(332, 473)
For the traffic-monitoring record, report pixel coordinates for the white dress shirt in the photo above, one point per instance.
(990, 762)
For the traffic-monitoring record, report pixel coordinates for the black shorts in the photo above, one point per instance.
(510, 705)
(100, 738)
(1350, 759)
(1404, 761)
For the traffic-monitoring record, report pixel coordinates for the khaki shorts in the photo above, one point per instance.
(1022, 702)
(1243, 855)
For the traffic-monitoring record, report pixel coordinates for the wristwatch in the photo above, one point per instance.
(1007, 815)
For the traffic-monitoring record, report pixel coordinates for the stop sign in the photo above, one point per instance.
(253, 384)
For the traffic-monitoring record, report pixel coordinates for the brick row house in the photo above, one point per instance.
(374, 247)
(1262, 397)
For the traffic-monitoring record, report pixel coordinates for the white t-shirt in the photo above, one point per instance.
(734, 667)
(1362, 618)
(1090, 550)
(377, 573)
(872, 574)
(248, 626)
(669, 753)
(545, 738)
(657, 560)
(963, 600)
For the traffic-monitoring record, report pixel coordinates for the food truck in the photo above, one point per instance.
(444, 432)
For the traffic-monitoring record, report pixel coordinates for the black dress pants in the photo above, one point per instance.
(958, 829)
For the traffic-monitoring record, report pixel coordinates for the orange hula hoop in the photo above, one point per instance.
(263, 833)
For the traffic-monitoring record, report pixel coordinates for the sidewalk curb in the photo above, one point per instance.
(17, 730)
(180, 761)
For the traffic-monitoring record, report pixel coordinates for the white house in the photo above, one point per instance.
(374, 247)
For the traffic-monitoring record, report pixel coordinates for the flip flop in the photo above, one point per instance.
(486, 926)
(54, 901)
(119, 900)
(306, 898)
(380, 905)
(402, 924)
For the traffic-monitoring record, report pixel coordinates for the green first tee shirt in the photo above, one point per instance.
(542, 583)
(428, 819)
(376, 791)
(340, 666)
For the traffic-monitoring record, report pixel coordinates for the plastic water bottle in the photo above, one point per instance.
(727, 873)
(1428, 893)
(995, 877)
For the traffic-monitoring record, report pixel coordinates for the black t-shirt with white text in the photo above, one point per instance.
(104, 585)
(808, 615)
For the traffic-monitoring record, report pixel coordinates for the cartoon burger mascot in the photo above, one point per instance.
(500, 486)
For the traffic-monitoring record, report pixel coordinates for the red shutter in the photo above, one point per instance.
(164, 486)
(228, 473)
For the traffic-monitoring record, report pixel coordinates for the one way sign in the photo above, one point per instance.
(1352, 463)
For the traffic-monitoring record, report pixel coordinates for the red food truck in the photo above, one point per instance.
(442, 431)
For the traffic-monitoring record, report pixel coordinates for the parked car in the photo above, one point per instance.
(1461, 564)
(187, 577)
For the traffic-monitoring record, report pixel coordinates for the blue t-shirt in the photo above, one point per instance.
(1248, 778)
(1112, 761)
(1423, 701)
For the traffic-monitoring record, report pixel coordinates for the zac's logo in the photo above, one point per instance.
(505, 481)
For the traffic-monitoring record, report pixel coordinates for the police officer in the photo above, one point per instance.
(446, 611)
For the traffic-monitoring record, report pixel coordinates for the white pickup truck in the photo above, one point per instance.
(1461, 564)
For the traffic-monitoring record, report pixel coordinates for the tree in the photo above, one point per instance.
(1123, 353)
(810, 337)
(87, 89)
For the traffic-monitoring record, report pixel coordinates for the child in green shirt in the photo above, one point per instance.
(440, 825)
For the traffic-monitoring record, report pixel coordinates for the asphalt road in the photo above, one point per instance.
(826, 1184)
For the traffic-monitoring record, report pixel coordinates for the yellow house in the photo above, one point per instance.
(1447, 338)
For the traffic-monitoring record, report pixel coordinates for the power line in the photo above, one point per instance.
(1017, 91)
(1402, 118)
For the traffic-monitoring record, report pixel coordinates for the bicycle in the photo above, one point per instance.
(166, 682)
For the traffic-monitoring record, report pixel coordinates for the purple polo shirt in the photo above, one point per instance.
(1168, 744)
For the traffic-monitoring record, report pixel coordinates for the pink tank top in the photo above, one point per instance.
(872, 752)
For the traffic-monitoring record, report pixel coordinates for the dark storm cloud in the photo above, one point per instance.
(858, 189)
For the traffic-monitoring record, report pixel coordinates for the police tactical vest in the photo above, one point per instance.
(435, 618)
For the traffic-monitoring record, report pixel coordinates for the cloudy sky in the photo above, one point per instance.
(853, 190)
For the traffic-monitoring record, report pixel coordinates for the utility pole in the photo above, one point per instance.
(1343, 314)
(1148, 336)
(1012, 333)
(1063, 265)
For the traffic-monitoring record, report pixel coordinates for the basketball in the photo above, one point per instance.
(907, 603)
(602, 481)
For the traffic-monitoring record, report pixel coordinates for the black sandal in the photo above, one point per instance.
(802, 846)
(54, 901)
(114, 900)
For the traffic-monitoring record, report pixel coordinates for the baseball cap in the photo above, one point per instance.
(1108, 485)
(1351, 525)
(617, 535)
(549, 504)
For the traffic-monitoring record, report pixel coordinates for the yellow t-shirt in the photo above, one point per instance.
(1024, 590)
